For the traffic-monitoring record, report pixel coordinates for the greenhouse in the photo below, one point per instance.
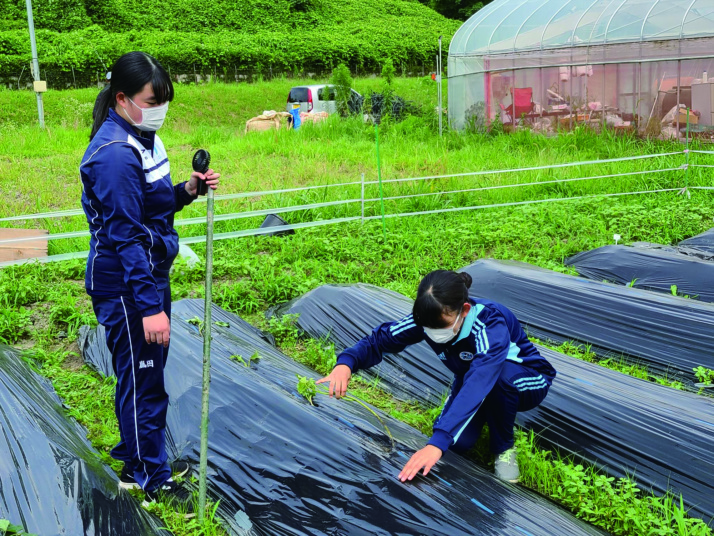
(549, 64)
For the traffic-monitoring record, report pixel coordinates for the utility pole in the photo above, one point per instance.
(39, 86)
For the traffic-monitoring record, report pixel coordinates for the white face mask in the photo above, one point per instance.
(151, 118)
(442, 335)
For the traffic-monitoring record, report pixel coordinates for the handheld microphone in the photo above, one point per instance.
(200, 163)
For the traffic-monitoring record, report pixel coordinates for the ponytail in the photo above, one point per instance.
(101, 109)
(441, 291)
(129, 75)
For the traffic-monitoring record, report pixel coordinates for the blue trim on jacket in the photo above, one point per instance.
(130, 202)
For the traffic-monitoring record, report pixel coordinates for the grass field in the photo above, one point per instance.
(43, 306)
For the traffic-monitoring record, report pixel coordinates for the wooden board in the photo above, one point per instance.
(28, 249)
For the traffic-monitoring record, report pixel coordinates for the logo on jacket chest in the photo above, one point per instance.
(466, 356)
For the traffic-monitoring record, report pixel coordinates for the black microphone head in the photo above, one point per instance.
(201, 161)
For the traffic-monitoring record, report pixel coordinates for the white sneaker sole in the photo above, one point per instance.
(133, 485)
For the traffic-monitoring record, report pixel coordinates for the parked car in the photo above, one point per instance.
(320, 98)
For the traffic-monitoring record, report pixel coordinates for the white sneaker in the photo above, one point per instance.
(507, 466)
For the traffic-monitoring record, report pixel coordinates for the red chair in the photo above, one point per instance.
(522, 102)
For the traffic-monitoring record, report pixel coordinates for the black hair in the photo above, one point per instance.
(441, 291)
(129, 75)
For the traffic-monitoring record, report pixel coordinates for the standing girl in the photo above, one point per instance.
(130, 202)
(497, 370)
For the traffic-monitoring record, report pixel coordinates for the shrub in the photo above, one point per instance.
(388, 71)
(342, 79)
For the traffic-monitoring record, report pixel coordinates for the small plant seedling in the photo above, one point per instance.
(8, 529)
(222, 324)
(674, 290)
(309, 389)
(704, 375)
(239, 358)
(195, 321)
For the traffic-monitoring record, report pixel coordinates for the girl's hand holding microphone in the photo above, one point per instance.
(210, 178)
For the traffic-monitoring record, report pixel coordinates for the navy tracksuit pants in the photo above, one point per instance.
(141, 401)
(518, 388)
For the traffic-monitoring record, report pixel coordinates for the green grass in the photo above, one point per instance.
(177, 522)
(41, 306)
(617, 505)
(620, 364)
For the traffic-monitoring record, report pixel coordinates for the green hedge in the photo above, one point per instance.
(289, 35)
(359, 47)
(201, 16)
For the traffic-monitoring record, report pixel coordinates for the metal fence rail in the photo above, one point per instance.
(363, 199)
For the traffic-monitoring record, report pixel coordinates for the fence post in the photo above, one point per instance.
(379, 175)
(362, 198)
(686, 171)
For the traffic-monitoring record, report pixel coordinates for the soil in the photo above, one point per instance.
(40, 316)
(73, 362)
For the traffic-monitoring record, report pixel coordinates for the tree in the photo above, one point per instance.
(388, 71)
(456, 9)
(342, 80)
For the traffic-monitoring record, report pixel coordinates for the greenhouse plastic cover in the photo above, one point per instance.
(295, 469)
(668, 334)
(506, 26)
(52, 481)
(622, 424)
(649, 269)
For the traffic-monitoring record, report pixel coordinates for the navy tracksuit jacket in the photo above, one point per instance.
(497, 373)
(130, 202)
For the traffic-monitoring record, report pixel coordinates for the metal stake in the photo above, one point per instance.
(35, 62)
(203, 464)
